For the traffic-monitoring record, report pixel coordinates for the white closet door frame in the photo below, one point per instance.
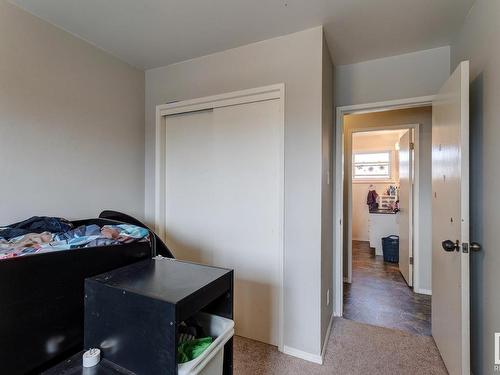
(258, 94)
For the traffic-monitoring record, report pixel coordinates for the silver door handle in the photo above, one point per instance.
(474, 246)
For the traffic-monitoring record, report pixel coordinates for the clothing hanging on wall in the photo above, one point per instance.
(371, 199)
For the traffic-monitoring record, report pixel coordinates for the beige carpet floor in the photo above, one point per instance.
(353, 348)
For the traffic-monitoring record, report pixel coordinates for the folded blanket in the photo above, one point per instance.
(83, 236)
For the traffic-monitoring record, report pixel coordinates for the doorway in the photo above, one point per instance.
(384, 152)
(448, 217)
(382, 171)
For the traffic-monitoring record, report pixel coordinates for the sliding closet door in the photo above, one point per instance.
(224, 203)
(188, 185)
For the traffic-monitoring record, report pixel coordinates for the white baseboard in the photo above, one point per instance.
(327, 337)
(303, 355)
(423, 291)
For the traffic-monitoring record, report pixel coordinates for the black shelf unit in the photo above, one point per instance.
(42, 300)
(132, 314)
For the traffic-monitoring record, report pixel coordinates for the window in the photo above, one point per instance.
(371, 166)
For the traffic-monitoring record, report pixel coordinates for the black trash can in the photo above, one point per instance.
(390, 248)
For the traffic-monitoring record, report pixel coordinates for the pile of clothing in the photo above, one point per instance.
(44, 234)
(191, 341)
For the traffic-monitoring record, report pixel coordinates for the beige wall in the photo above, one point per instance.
(422, 116)
(478, 41)
(371, 143)
(295, 60)
(71, 124)
(404, 76)
(327, 184)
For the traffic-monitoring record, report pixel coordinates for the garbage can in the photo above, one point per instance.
(390, 249)
(211, 361)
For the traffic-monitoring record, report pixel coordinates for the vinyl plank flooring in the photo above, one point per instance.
(379, 295)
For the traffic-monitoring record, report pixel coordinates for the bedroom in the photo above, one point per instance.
(91, 93)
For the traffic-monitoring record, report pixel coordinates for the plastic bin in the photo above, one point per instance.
(212, 359)
(390, 249)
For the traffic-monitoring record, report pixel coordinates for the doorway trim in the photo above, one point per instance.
(264, 93)
(341, 111)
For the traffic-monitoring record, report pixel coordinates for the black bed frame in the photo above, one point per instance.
(42, 297)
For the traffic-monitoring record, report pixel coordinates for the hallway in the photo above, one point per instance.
(379, 295)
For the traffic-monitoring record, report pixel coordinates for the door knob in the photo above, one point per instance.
(474, 246)
(449, 245)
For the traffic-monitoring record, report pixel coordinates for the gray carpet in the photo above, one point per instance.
(353, 348)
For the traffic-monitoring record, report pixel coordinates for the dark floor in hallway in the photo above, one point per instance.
(379, 295)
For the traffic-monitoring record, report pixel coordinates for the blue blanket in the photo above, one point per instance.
(83, 236)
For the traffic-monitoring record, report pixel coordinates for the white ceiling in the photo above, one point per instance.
(152, 33)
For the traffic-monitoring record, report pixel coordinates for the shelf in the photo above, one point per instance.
(132, 314)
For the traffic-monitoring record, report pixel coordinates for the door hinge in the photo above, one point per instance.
(412, 146)
(411, 260)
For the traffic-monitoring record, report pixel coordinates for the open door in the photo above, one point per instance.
(450, 221)
(406, 207)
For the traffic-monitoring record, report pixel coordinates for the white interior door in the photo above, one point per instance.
(450, 221)
(406, 207)
(224, 203)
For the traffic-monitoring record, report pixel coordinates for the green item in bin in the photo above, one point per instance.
(189, 350)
